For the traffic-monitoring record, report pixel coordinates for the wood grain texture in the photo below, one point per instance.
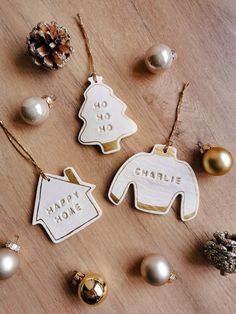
(203, 32)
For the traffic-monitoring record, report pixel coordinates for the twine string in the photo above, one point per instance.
(21, 150)
(174, 129)
(17, 237)
(88, 47)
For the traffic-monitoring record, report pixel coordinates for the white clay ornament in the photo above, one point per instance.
(158, 178)
(103, 114)
(64, 205)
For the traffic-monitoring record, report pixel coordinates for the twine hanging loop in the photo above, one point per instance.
(21, 150)
(169, 141)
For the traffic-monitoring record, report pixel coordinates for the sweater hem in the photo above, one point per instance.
(151, 207)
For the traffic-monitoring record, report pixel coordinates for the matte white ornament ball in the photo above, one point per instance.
(9, 260)
(159, 57)
(35, 110)
(156, 270)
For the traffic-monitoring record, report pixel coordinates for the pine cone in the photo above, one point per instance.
(221, 252)
(49, 45)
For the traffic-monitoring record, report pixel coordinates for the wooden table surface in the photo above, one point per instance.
(203, 32)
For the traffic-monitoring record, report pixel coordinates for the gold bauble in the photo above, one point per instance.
(92, 289)
(216, 161)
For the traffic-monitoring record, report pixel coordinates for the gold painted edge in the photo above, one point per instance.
(114, 198)
(171, 152)
(110, 146)
(189, 216)
(71, 176)
(151, 207)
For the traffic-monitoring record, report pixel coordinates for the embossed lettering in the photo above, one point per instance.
(57, 206)
(152, 174)
(77, 207)
(102, 129)
(71, 211)
(105, 116)
(67, 213)
(145, 173)
(178, 180)
(99, 105)
(69, 197)
(58, 219)
(109, 127)
(76, 194)
(158, 176)
(50, 210)
(105, 128)
(62, 203)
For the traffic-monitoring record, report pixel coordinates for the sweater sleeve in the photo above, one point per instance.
(121, 182)
(190, 195)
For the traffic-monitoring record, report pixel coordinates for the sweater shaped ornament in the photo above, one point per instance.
(64, 205)
(103, 114)
(158, 178)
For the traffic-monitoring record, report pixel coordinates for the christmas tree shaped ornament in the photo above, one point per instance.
(64, 205)
(103, 114)
(9, 259)
(158, 178)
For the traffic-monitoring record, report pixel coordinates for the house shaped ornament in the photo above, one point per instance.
(64, 205)
(103, 114)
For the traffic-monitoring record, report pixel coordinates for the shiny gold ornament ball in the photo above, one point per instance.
(216, 161)
(92, 288)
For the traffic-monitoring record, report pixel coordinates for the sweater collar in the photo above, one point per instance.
(158, 150)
